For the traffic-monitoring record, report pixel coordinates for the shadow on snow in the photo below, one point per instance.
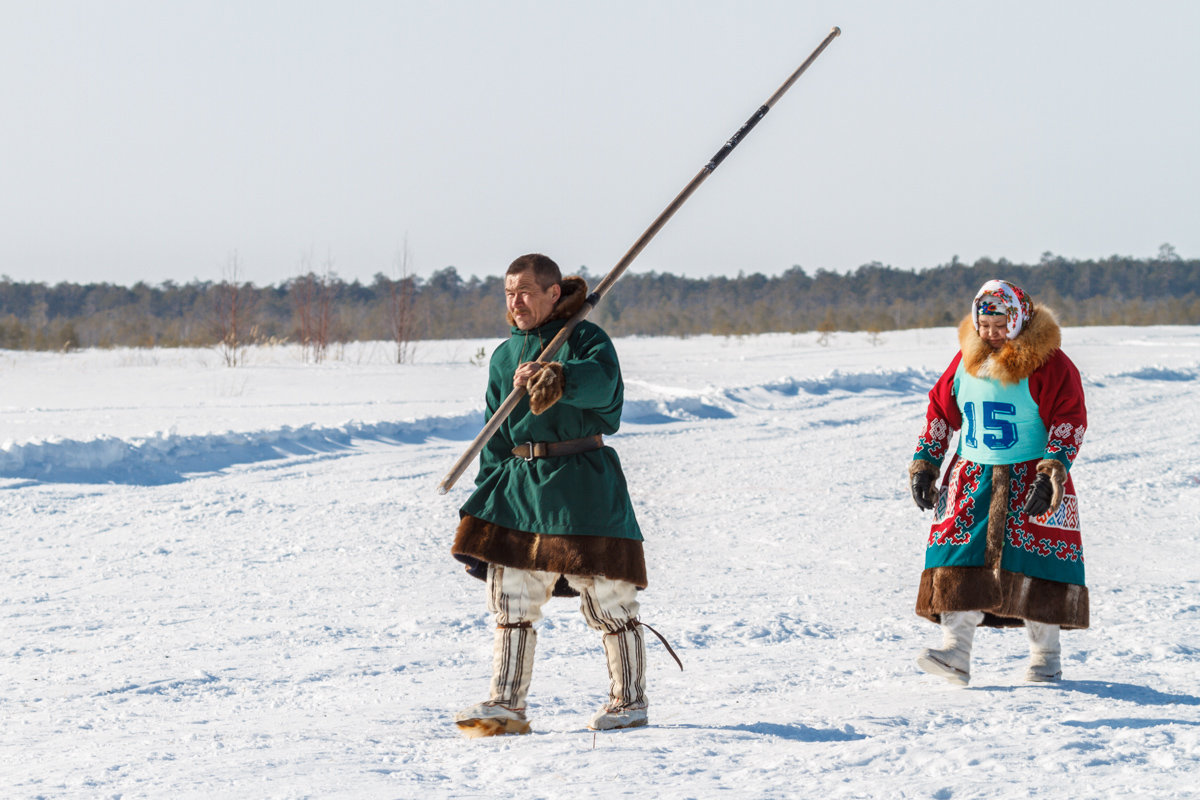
(795, 733)
(1108, 690)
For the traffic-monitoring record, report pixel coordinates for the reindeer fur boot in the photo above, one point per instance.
(1045, 663)
(953, 660)
(512, 668)
(625, 652)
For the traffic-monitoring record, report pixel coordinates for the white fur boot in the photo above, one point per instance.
(953, 660)
(1045, 663)
(625, 652)
(512, 668)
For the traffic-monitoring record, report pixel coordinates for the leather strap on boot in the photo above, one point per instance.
(632, 625)
(512, 664)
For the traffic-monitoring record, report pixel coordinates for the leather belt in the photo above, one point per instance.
(531, 450)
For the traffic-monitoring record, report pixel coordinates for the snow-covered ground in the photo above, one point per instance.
(236, 582)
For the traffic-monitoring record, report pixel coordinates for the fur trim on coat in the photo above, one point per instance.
(1007, 599)
(1018, 358)
(478, 543)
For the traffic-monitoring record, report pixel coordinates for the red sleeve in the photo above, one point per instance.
(1057, 389)
(942, 418)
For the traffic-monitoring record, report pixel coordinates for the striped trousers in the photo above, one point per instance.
(515, 599)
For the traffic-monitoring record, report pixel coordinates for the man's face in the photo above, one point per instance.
(529, 304)
(993, 329)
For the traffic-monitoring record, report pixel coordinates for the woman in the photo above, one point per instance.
(1004, 549)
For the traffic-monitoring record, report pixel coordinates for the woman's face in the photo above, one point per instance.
(993, 329)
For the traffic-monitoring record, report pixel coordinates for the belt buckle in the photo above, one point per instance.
(529, 457)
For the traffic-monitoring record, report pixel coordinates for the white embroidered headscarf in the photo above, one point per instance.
(1002, 297)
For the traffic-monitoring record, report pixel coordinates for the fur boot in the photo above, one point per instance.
(625, 652)
(1045, 663)
(512, 668)
(953, 660)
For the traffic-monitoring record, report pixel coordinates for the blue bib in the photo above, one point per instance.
(1001, 423)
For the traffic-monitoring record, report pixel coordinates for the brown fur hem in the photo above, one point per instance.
(1006, 598)
(478, 543)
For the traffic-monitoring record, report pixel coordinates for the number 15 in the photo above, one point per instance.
(1006, 435)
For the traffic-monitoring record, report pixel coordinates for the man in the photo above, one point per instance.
(550, 513)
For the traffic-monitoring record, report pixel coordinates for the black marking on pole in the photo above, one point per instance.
(592, 299)
(747, 126)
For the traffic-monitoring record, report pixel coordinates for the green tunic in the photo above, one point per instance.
(577, 495)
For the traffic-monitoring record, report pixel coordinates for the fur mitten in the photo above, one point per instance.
(546, 387)
(1037, 502)
(1047, 492)
(921, 476)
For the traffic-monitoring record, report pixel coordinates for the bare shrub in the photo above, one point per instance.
(232, 309)
(401, 292)
(827, 328)
(312, 301)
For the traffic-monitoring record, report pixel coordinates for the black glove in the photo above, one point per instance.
(1038, 501)
(922, 481)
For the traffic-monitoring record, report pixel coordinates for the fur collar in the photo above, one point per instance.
(574, 293)
(1018, 358)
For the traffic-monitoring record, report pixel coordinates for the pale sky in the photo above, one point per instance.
(153, 140)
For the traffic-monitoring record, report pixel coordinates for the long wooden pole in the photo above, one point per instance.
(615, 273)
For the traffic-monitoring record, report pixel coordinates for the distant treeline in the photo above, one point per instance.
(1113, 291)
